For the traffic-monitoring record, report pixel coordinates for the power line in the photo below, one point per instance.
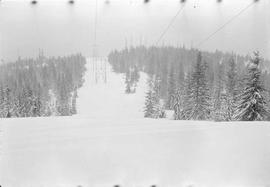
(225, 24)
(170, 23)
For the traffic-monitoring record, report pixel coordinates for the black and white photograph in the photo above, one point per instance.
(134, 93)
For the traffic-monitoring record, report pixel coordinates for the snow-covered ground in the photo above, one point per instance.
(103, 93)
(110, 143)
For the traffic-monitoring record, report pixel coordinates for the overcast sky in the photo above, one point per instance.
(60, 29)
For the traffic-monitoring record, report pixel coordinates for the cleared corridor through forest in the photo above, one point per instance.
(103, 93)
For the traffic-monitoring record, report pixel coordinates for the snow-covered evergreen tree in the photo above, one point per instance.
(7, 105)
(132, 77)
(178, 99)
(128, 83)
(187, 104)
(2, 102)
(73, 102)
(26, 102)
(149, 105)
(154, 108)
(177, 105)
(231, 90)
(36, 107)
(252, 105)
(180, 76)
(51, 105)
(171, 89)
(159, 105)
(63, 105)
(219, 112)
(200, 92)
(135, 76)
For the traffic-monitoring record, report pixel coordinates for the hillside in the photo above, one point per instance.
(123, 148)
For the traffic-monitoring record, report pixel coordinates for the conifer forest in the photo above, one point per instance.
(198, 85)
(42, 86)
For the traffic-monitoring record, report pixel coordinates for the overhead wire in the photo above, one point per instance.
(224, 25)
(170, 23)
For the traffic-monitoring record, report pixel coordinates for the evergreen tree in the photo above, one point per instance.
(219, 112)
(187, 107)
(153, 106)
(149, 105)
(252, 105)
(73, 102)
(128, 82)
(63, 105)
(179, 94)
(36, 109)
(135, 76)
(180, 76)
(149, 101)
(158, 105)
(26, 102)
(2, 102)
(171, 89)
(7, 106)
(231, 90)
(177, 105)
(200, 91)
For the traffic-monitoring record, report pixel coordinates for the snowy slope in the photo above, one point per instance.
(109, 142)
(100, 98)
(72, 151)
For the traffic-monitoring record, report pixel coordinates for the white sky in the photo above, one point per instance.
(61, 29)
